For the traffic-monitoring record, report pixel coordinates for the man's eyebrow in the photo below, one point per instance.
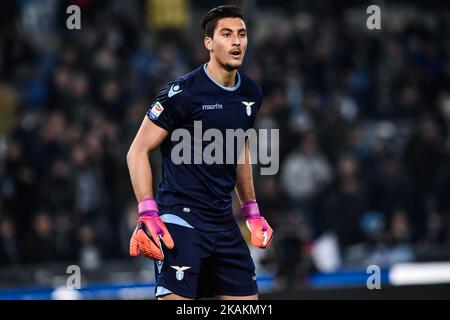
(228, 29)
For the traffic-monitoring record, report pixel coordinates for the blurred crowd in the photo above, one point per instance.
(363, 116)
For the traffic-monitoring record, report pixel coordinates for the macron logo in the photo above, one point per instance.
(174, 89)
(216, 106)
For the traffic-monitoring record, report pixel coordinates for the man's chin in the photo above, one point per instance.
(230, 66)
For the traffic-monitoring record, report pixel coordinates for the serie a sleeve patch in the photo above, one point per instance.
(156, 110)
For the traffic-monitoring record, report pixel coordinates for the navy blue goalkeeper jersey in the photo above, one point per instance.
(199, 192)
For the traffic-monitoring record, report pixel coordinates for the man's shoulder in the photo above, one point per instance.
(189, 79)
(178, 89)
(250, 84)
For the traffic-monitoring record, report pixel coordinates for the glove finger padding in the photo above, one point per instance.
(261, 232)
(134, 246)
(146, 240)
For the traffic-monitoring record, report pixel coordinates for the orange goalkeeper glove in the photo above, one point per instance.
(258, 226)
(149, 232)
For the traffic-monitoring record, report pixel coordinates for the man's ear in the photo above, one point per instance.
(208, 43)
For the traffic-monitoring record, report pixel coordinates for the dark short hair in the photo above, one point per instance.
(226, 11)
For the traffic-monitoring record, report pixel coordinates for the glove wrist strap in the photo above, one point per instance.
(250, 209)
(147, 206)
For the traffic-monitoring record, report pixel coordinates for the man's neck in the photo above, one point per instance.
(220, 75)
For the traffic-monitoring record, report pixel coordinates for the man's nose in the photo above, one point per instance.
(236, 41)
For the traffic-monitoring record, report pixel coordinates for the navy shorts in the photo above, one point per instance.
(203, 264)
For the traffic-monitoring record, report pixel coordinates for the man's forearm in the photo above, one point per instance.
(140, 174)
(244, 177)
(257, 224)
(244, 183)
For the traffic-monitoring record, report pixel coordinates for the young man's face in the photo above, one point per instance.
(229, 43)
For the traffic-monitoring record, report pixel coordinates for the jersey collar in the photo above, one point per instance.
(221, 86)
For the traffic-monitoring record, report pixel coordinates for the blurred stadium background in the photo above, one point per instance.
(364, 121)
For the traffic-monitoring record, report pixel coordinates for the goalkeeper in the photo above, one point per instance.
(189, 228)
